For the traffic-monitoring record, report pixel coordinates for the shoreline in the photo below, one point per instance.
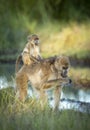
(80, 62)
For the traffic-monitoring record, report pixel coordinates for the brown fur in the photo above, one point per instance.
(48, 73)
(30, 53)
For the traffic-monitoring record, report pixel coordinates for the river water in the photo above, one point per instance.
(7, 79)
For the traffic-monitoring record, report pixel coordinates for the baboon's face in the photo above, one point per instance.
(35, 41)
(64, 71)
(62, 65)
(34, 49)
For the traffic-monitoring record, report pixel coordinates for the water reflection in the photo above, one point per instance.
(7, 74)
(76, 94)
(7, 70)
(4, 82)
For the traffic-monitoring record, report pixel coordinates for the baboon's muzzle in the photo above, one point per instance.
(70, 81)
(64, 75)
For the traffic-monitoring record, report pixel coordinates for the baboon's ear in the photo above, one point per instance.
(56, 62)
(58, 58)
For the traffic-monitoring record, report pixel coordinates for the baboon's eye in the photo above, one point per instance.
(65, 67)
(36, 42)
(36, 38)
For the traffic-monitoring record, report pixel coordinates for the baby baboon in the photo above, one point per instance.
(48, 73)
(31, 52)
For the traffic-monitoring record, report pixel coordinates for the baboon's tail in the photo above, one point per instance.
(17, 62)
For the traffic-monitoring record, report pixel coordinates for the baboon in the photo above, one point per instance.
(48, 73)
(31, 52)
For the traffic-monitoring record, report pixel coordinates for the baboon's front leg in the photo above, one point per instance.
(50, 83)
(57, 94)
(26, 59)
(43, 98)
(54, 82)
(21, 87)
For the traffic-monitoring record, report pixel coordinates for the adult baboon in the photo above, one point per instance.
(31, 52)
(48, 73)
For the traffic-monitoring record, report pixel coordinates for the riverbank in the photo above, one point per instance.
(7, 58)
(30, 116)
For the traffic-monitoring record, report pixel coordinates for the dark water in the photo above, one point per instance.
(7, 70)
(7, 79)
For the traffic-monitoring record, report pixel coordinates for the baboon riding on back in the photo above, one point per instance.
(30, 53)
(48, 73)
(43, 74)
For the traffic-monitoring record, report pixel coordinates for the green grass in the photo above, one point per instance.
(70, 39)
(83, 73)
(30, 116)
(45, 120)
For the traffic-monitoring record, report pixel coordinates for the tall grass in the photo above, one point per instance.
(83, 73)
(70, 39)
(30, 116)
(46, 120)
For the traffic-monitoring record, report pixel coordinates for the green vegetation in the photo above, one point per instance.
(80, 73)
(72, 39)
(63, 26)
(30, 116)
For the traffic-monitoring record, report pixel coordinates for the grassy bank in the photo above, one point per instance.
(83, 73)
(71, 39)
(30, 116)
(45, 120)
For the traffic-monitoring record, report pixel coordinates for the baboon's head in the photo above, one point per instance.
(34, 46)
(62, 64)
(33, 39)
